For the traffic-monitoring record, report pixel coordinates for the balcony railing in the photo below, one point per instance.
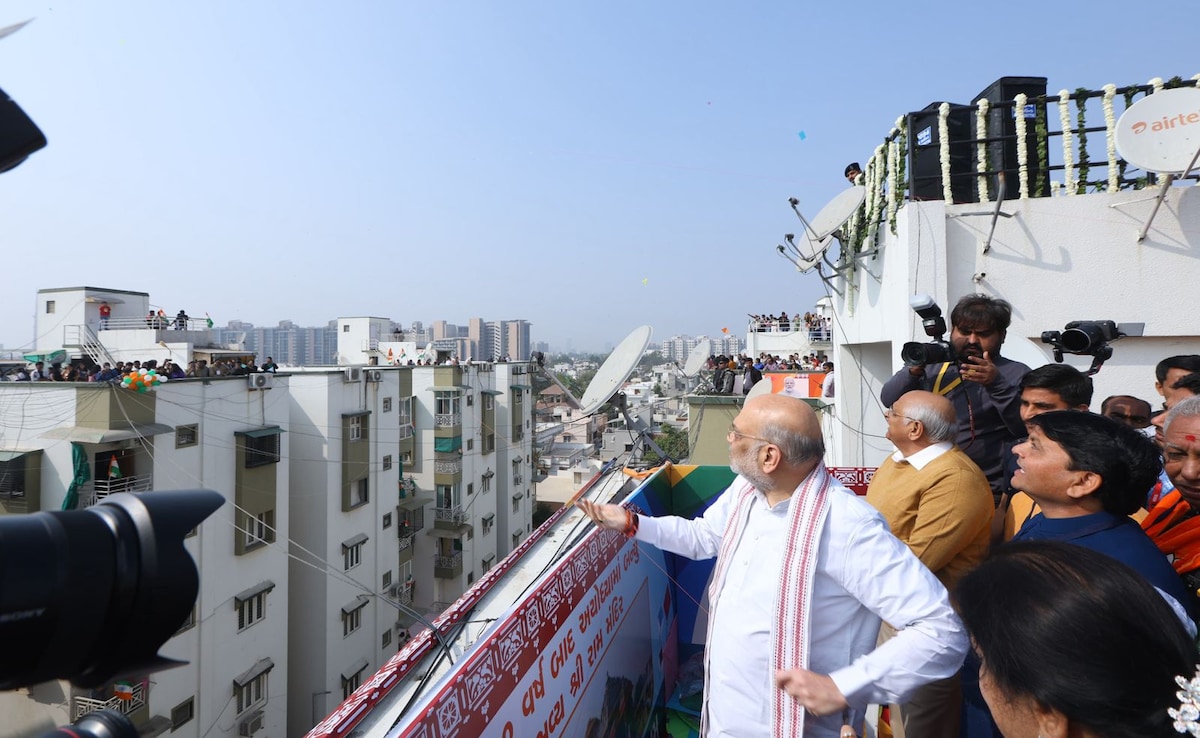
(447, 420)
(404, 593)
(455, 515)
(446, 567)
(448, 466)
(102, 488)
(83, 705)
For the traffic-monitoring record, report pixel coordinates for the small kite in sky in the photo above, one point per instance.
(646, 281)
(803, 135)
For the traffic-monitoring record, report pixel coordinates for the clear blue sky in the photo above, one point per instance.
(585, 166)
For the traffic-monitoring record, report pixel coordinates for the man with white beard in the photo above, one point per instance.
(804, 572)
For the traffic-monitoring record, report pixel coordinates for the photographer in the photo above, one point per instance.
(984, 387)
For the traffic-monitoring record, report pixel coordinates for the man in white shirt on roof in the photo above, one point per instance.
(804, 572)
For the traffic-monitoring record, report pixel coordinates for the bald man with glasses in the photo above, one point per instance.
(804, 571)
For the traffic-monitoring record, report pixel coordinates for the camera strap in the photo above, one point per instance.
(937, 382)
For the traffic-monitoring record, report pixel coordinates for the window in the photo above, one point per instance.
(252, 605)
(517, 504)
(345, 328)
(517, 471)
(470, 400)
(186, 435)
(356, 428)
(488, 521)
(260, 529)
(386, 639)
(447, 496)
(470, 444)
(628, 447)
(351, 683)
(361, 491)
(49, 306)
(485, 483)
(352, 551)
(470, 578)
(489, 402)
(488, 562)
(387, 520)
(387, 579)
(404, 417)
(387, 404)
(250, 688)
(470, 488)
(406, 458)
(447, 403)
(352, 618)
(262, 448)
(183, 712)
(189, 623)
(387, 462)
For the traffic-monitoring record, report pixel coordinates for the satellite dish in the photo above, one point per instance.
(809, 252)
(761, 387)
(835, 214)
(616, 369)
(695, 361)
(1159, 133)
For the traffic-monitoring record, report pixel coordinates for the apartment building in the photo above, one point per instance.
(218, 434)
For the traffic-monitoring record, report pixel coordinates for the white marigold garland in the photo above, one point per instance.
(1068, 141)
(981, 119)
(878, 165)
(893, 174)
(1022, 145)
(1110, 125)
(944, 151)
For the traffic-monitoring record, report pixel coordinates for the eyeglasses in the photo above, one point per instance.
(734, 434)
(890, 413)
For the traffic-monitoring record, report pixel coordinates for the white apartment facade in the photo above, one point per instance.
(217, 434)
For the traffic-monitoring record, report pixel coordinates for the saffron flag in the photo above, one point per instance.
(114, 469)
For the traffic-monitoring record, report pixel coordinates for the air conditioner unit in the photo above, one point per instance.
(354, 374)
(251, 724)
(374, 375)
(260, 380)
(393, 591)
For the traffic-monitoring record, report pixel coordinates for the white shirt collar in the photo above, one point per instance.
(925, 455)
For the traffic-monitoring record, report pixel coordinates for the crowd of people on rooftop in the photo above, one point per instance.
(815, 324)
(90, 371)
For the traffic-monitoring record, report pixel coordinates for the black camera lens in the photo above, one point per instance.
(99, 724)
(913, 354)
(89, 595)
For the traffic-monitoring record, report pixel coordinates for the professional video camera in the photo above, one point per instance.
(939, 349)
(1086, 337)
(91, 595)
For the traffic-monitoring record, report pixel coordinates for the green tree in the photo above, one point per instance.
(673, 441)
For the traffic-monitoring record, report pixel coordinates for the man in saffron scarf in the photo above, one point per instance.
(804, 572)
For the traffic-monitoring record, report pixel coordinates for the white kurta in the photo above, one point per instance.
(863, 573)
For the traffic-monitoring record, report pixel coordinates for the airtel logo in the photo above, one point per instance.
(1166, 123)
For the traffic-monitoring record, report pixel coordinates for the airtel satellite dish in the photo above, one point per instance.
(695, 361)
(1161, 132)
(616, 369)
(836, 213)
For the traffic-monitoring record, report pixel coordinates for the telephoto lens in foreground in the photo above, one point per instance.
(91, 595)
